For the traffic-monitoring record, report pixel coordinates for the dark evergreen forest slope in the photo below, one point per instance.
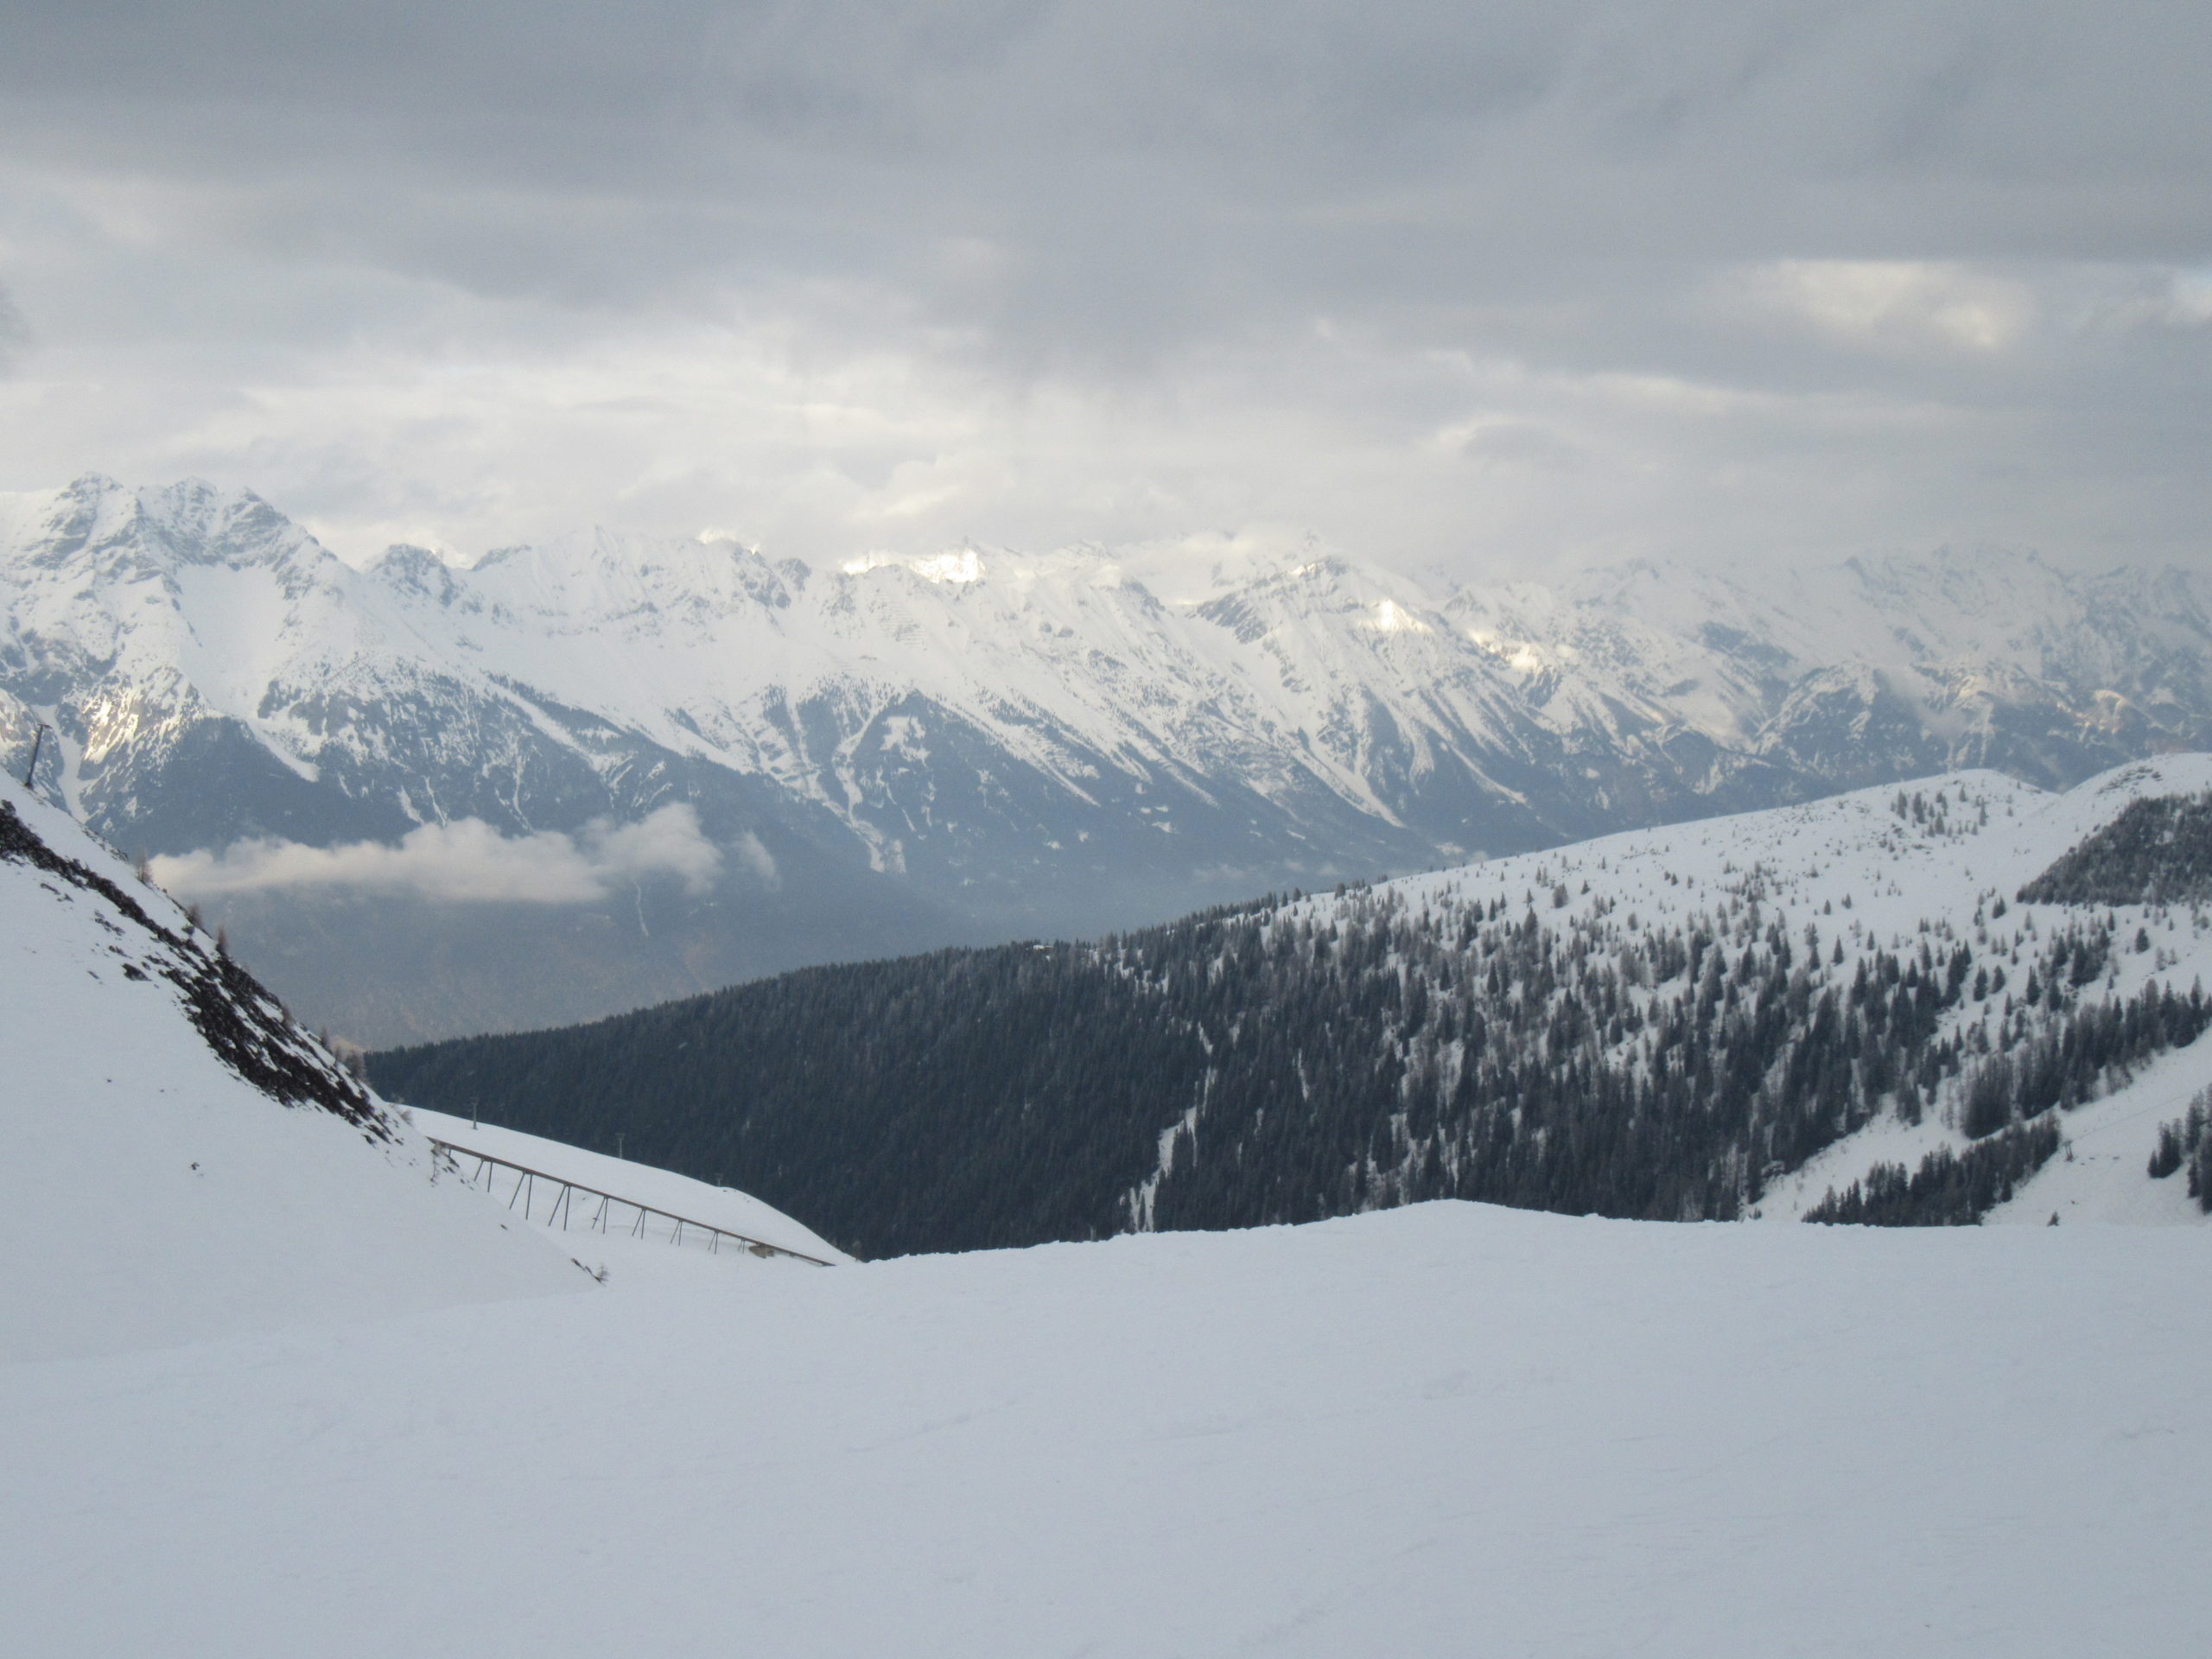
(2158, 849)
(1517, 1032)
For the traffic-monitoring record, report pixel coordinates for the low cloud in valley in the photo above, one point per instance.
(470, 860)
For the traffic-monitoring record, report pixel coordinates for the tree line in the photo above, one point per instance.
(1295, 1058)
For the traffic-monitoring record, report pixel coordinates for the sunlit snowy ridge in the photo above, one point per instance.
(1923, 899)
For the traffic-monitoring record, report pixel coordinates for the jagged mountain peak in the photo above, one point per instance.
(119, 527)
(603, 577)
(418, 571)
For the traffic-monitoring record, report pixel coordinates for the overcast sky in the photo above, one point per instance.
(1465, 288)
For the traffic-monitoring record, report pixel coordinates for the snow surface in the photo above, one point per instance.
(149, 1195)
(1443, 1430)
(662, 1189)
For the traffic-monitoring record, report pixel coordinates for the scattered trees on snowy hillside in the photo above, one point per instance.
(2068, 1063)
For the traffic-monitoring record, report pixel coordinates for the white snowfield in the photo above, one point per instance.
(151, 1196)
(1443, 1430)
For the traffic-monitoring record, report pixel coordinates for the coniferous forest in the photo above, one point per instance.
(2158, 849)
(1294, 1059)
(1950, 1189)
(2186, 1143)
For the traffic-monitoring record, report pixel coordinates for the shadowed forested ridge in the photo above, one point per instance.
(2157, 850)
(1287, 1061)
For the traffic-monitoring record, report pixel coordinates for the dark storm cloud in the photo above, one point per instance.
(1325, 151)
(1985, 212)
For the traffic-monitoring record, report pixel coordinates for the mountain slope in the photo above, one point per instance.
(970, 746)
(182, 1161)
(1670, 1024)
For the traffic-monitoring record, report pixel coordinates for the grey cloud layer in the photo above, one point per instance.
(1383, 270)
(1520, 132)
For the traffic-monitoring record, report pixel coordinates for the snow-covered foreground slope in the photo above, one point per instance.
(1448, 1430)
(150, 1193)
(609, 1241)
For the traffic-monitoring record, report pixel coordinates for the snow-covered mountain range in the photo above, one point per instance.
(977, 744)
